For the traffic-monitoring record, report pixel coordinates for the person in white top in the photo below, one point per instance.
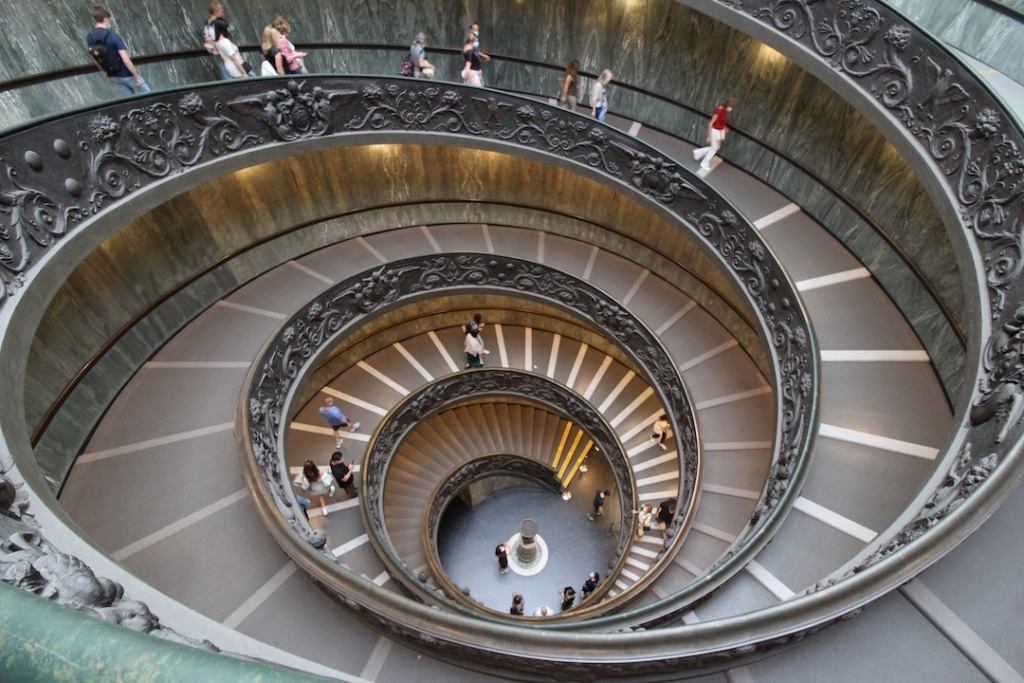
(645, 517)
(317, 482)
(599, 95)
(210, 36)
(660, 431)
(229, 53)
(542, 611)
(474, 348)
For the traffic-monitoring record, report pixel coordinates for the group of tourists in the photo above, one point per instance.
(280, 58)
(323, 482)
(567, 598)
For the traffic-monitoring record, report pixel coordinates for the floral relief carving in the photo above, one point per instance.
(30, 562)
(295, 111)
(124, 147)
(31, 218)
(963, 130)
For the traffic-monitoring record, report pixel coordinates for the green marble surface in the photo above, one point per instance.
(44, 641)
(982, 32)
(657, 44)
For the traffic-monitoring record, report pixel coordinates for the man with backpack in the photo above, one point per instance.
(110, 53)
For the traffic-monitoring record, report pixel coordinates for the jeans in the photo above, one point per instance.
(602, 111)
(303, 505)
(128, 83)
(221, 68)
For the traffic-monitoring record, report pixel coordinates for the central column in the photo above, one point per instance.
(526, 550)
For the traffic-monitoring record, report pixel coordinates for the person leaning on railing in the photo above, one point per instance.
(421, 68)
(292, 59)
(273, 59)
(234, 66)
(216, 11)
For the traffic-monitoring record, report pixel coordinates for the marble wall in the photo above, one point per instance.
(982, 32)
(322, 192)
(660, 45)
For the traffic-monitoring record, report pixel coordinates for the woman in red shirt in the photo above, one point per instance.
(717, 128)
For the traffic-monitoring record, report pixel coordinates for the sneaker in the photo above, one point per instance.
(696, 155)
(323, 511)
(331, 491)
(338, 442)
(354, 427)
(663, 446)
(590, 517)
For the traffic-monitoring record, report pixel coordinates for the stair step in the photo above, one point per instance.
(644, 552)
(654, 462)
(657, 479)
(663, 494)
(642, 566)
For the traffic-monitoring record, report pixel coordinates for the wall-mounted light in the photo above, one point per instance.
(770, 55)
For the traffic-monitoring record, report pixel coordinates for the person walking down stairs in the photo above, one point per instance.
(337, 420)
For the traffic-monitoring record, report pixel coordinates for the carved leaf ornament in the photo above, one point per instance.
(50, 186)
(962, 128)
(343, 307)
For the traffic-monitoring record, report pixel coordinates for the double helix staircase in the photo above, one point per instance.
(882, 411)
(446, 442)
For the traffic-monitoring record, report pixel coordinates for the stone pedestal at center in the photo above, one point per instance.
(526, 551)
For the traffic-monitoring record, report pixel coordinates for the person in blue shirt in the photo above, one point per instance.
(337, 420)
(111, 54)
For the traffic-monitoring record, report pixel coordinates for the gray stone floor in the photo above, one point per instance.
(576, 546)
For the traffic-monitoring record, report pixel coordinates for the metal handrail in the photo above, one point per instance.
(735, 129)
(223, 123)
(514, 383)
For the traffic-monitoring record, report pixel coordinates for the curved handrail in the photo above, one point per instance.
(292, 354)
(963, 145)
(129, 147)
(40, 428)
(456, 389)
(951, 320)
(495, 464)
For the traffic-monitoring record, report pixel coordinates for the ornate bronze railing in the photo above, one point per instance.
(949, 125)
(460, 388)
(73, 181)
(294, 353)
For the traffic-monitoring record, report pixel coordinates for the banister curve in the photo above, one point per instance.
(125, 150)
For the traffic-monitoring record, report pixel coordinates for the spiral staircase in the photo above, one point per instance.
(824, 473)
